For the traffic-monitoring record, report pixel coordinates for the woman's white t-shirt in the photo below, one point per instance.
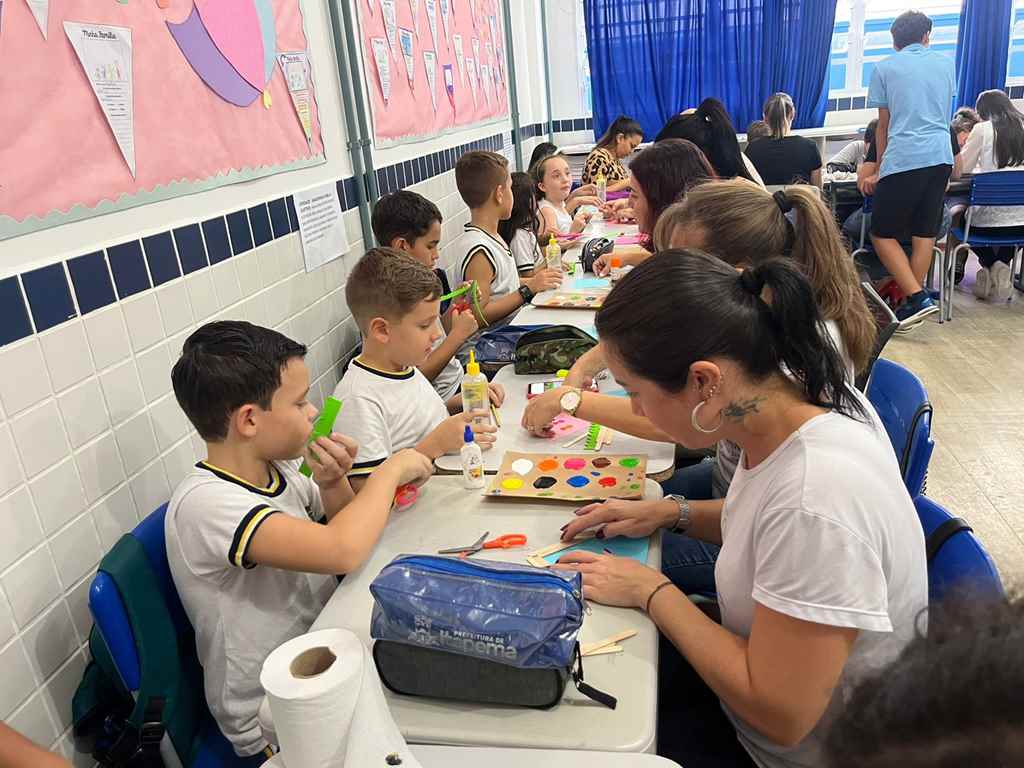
(525, 250)
(979, 156)
(824, 530)
(562, 218)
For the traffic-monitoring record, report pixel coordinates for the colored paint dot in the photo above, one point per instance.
(547, 465)
(575, 463)
(634, 487)
(544, 482)
(607, 482)
(522, 466)
(512, 483)
(546, 493)
(595, 474)
(629, 462)
(601, 462)
(578, 481)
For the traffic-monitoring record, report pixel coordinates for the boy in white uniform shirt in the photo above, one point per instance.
(241, 538)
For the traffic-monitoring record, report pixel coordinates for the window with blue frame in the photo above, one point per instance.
(1015, 62)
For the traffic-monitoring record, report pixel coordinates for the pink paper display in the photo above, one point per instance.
(57, 149)
(630, 240)
(565, 425)
(409, 111)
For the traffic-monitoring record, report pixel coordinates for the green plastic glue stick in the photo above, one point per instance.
(323, 427)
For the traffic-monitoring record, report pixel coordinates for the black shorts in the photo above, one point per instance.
(909, 204)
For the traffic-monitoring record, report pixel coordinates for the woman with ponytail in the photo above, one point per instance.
(783, 158)
(822, 572)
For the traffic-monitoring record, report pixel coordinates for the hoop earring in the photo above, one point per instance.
(696, 423)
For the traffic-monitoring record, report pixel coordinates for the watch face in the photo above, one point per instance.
(570, 401)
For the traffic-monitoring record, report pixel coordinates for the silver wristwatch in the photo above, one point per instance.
(683, 522)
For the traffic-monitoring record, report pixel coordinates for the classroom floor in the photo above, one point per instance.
(973, 369)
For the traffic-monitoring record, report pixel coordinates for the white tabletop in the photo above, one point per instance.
(512, 437)
(434, 756)
(448, 515)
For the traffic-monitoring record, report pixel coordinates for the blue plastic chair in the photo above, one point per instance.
(902, 404)
(957, 562)
(987, 189)
(213, 750)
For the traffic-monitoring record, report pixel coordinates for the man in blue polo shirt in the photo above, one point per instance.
(913, 91)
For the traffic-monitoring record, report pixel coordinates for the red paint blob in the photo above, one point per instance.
(607, 482)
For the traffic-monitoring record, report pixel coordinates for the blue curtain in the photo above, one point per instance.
(982, 47)
(651, 59)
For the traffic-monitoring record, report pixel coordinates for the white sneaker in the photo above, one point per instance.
(1002, 288)
(983, 283)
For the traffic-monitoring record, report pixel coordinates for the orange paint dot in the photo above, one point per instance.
(547, 465)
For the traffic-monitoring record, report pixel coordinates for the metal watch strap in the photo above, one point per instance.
(683, 522)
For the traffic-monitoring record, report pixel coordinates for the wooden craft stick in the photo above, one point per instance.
(589, 648)
(575, 441)
(603, 651)
(536, 559)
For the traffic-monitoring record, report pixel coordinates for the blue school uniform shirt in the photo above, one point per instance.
(917, 86)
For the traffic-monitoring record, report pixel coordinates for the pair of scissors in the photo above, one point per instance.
(507, 541)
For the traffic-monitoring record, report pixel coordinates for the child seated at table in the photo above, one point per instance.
(485, 185)
(240, 530)
(388, 404)
(408, 222)
(554, 184)
(520, 229)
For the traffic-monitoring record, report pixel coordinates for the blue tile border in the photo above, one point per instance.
(215, 233)
(14, 322)
(91, 280)
(189, 240)
(49, 297)
(241, 235)
(129, 268)
(162, 260)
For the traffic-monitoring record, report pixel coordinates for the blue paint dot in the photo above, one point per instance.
(596, 474)
(578, 481)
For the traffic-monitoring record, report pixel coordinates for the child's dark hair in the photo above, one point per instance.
(621, 125)
(666, 170)
(711, 129)
(1007, 125)
(403, 214)
(681, 306)
(952, 697)
(778, 111)
(478, 174)
(758, 129)
(908, 28)
(524, 208)
(388, 283)
(225, 365)
(541, 151)
(869, 131)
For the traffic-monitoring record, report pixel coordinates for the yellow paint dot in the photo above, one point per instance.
(511, 483)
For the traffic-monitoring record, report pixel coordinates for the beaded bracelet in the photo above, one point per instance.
(656, 590)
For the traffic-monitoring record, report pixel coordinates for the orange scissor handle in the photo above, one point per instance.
(507, 541)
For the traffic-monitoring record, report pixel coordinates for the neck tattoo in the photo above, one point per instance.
(737, 411)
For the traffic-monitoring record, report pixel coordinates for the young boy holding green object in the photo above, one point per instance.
(240, 532)
(389, 404)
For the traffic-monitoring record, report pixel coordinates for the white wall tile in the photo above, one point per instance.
(67, 355)
(179, 462)
(225, 283)
(155, 371)
(58, 693)
(99, 466)
(122, 391)
(269, 262)
(247, 269)
(51, 640)
(84, 412)
(169, 422)
(150, 489)
(175, 307)
(10, 466)
(78, 604)
(7, 626)
(20, 527)
(76, 551)
(31, 384)
(202, 295)
(40, 438)
(19, 682)
(31, 584)
(33, 721)
(108, 337)
(142, 316)
(291, 253)
(136, 443)
(58, 495)
(115, 515)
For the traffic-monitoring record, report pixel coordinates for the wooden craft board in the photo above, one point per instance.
(569, 476)
(571, 300)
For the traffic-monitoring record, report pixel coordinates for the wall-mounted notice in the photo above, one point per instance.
(321, 227)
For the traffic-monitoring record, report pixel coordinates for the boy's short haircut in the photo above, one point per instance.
(225, 365)
(388, 283)
(758, 129)
(403, 214)
(909, 27)
(478, 174)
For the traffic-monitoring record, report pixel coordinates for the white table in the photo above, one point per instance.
(448, 515)
(434, 756)
(512, 437)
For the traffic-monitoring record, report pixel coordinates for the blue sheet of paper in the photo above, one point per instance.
(591, 284)
(617, 393)
(620, 546)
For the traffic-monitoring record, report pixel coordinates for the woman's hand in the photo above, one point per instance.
(610, 580)
(616, 517)
(584, 190)
(540, 411)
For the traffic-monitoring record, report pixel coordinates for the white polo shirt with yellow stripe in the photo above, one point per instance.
(240, 611)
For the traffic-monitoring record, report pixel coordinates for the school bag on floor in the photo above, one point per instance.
(478, 631)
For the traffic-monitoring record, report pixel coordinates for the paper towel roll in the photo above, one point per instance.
(328, 706)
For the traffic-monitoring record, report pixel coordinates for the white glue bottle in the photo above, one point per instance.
(553, 254)
(475, 396)
(472, 461)
(602, 188)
